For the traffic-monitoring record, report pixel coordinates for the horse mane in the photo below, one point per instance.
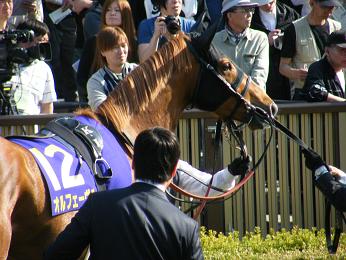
(144, 83)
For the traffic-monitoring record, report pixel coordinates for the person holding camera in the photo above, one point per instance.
(33, 84)
(273, 17)
(325, 80)
(155, 31)
(247, 47)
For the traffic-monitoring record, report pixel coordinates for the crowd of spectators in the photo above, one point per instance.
(273, 41)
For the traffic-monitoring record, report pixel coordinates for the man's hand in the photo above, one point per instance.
(273, 35)
(240, 165)
(80, 5)
(160, 27)
(312, 160)
(300, 74)
(29, 5)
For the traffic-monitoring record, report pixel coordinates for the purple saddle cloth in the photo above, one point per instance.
(69, 179)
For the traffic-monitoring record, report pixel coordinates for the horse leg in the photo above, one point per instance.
(9, 190)
(5, 233)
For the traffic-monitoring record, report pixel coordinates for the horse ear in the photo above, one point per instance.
(202, 41)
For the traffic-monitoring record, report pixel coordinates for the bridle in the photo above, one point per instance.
(235, 129)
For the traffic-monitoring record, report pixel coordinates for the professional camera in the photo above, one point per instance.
(11, 54)
(172, 24)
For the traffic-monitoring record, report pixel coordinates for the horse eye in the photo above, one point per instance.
(227, 66)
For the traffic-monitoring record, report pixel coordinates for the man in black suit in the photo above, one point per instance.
(137, 222)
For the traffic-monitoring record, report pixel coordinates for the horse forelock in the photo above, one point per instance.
(146, 81)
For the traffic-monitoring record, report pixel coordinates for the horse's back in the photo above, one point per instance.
(25, 220)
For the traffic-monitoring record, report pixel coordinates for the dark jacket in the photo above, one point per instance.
(333, 190)
(277, 85)
(320, 81)
(85, 67)
(137, 222)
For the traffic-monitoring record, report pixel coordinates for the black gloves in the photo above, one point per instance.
(312, 160)
(240, 165)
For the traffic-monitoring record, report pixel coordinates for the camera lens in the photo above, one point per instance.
(173, 24)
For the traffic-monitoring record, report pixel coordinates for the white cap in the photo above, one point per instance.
(227, 4)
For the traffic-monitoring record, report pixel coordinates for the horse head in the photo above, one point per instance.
(234, 94)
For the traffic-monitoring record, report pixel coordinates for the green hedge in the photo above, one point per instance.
(294, 244)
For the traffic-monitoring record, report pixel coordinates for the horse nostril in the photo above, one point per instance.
(274, 109)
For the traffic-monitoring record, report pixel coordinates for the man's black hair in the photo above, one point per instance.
(156, 153)
(159, 3)
(39, 28)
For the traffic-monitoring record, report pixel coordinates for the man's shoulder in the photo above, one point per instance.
(285, 8)
(108, 195)
(321, 65)
(98, 75)
(220, 35)
(147, 22)
(186, 24)
(300, 21)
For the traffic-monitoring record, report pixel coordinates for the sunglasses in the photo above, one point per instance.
(244, 10)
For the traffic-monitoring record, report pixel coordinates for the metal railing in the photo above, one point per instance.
(281, 193)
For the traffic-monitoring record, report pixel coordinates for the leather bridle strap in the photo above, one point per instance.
(289, 134)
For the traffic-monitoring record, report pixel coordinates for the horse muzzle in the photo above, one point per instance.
(261, 119)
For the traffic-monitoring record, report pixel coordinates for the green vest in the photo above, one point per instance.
(307, 51)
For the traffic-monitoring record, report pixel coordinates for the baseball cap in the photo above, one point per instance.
(328, 3)
(338, 38)
(227, 4)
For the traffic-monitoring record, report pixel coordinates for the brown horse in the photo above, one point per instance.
(154, 94)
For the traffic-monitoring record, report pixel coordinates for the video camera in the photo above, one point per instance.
(11, 54)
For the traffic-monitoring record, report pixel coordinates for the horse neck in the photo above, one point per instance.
(155, 93)
(166, 106)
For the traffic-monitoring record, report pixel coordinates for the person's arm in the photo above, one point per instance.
(288, 51)
(288, 71)
(76, 236)
(148, 41)
(49, 94)
(333, 189)
(196, 181)
(47, 108)
(260, 68)
(315, 88)
(96, 92)
(333, 98)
